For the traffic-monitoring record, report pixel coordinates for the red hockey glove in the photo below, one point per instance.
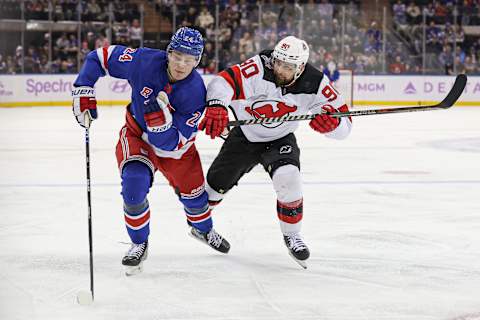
(84, 105)
(215, 119)
(324, 123)
(157, 114)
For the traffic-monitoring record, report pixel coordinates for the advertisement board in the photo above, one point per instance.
(54, 90)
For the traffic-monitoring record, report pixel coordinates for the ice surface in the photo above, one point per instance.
(392, 219)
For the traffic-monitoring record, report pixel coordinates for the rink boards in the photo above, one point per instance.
(54, 90)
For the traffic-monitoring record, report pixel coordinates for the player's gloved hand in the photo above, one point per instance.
(215, 119)
(84, 105)
(325, 123)
(157, 113)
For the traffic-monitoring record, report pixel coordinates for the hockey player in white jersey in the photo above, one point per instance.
(272, 84)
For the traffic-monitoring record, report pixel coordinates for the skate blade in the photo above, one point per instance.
(198, 239)
(301, 263)
(204, 242)
(133, 270)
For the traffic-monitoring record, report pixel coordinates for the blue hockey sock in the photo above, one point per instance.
(137, 221)
(136, 182)
(200, 218)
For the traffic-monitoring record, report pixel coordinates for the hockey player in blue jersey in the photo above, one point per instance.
(168, 99)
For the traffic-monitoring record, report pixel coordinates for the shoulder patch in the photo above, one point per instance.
(266, 58)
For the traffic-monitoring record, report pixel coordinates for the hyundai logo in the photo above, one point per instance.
(119, 86)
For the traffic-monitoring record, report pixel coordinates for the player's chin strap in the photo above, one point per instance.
(449, 101)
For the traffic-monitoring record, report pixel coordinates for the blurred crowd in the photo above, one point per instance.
(65, 49)
(442, 24)
(337, 31)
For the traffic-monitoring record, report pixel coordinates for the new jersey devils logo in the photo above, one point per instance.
(270, 109)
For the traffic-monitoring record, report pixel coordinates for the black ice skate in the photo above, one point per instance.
(212, 238)
(297, 249)
(133, 259)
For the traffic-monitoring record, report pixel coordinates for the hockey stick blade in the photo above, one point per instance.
(449, 101)
(455, 92)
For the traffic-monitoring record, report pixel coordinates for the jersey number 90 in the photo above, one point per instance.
(249, 68)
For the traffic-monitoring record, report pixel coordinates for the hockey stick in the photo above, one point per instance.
(449, 101)
(89, 199)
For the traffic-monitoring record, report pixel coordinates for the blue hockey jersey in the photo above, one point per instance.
(146, 71)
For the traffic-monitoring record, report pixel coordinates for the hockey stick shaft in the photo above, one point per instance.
(89, 200)
(449, 101)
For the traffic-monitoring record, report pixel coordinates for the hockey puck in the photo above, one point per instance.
(84, 298)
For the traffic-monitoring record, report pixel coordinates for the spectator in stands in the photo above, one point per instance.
(67, 66)
(93, 11)
(460, 54)
(413, 13)
(470, 66)
(11, 67)
(325, 10)
(135, 31)
(374, 38)
(208, 54)
(72, 45)
(235, 55)
(36, 10)
(400, 13)
(58, 11)
(70, 10)
(429, 12)
(31, 61)
(61, 46)
(397, 67)
(191, 15)
(288, 28)
(122, 34)
(371, 64)
(245, 44)
(225, 34)
(225, 60)
(324, 32)
(211, 68)
(359, 65)
(459, 33)
(3, 65)
(84, 50)
(18, 59)
(205, 19)
(446, 59)
(331, 72)
(449, 33)
(441, 12)
(434, 35)
(269, 17)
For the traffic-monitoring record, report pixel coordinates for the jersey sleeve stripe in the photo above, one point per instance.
(234, 78)
(344, 108)
(226, 75)
(103, 55)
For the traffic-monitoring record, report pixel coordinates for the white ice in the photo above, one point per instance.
(391, 216)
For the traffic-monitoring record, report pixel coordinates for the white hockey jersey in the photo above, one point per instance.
(250, 91)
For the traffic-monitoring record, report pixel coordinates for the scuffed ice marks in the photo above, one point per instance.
(418, 262)
(463, 145)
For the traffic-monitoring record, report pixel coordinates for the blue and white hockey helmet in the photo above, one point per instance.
(187, 40)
